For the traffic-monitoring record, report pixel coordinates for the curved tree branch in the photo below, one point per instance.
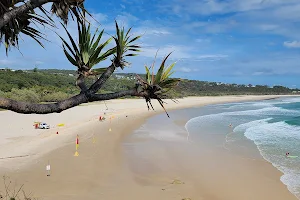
(29, 5)
(103, 78)
(86, 95)
(28, 108)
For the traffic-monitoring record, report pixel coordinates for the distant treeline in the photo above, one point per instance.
(54, 85)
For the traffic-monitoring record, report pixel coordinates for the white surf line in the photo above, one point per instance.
(224, 146)
(226, 139)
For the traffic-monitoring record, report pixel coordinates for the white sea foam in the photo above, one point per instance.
(245, 126)
(291, 180)
(262, 104)
(291, 100)
(272, 131)
(251, 105)
(273, 140)
(269, 111)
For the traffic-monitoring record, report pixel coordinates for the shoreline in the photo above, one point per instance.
(260, 184)
(107, 148)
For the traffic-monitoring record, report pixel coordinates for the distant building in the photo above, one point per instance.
(119, 76)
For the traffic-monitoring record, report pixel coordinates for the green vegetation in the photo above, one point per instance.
(13, 192)
(53, 85)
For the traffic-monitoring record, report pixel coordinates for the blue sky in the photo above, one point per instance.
(232, 41)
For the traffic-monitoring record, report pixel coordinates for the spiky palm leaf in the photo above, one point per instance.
(158, 86)
(9, 34)
(21, 24)
(88, 52)
(124, 46)
(64, 7)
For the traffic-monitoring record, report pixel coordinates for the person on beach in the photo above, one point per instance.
(287, 154)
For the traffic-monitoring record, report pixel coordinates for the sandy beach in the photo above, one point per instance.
(102, 172)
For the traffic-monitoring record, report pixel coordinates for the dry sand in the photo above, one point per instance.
(101, 172)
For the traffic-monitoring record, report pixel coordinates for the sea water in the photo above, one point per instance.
(273, 126)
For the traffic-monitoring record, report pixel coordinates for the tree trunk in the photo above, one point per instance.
(81, 83)
(32, 4)
(28, 108)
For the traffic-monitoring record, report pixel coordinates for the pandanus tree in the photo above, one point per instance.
(85, 54)
(158, 86)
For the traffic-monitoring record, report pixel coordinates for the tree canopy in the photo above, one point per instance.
(18, 17)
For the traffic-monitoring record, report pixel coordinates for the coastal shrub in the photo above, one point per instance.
(3, 94)
(25, 95)
(55, 96)
(13, 192)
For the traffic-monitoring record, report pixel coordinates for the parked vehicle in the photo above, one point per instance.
(43, 125)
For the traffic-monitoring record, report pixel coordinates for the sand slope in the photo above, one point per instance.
(99, 172)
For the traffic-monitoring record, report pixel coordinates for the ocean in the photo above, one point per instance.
(271, 126)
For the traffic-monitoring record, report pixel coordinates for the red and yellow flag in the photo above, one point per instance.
(77, 142)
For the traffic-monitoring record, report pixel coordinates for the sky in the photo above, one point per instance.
(231, 41)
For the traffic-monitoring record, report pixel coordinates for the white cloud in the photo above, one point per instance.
(267, 27)
(6, 62)
(211, 57)
(39, 62)
(158, 32)
(100, 17)
(260, 73)
(179, 52)
(186, 69)
(208, 7)
(292, 44)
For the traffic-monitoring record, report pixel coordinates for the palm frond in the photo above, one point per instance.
(87, 52)
(161, 69)
(124, 46)
(9, 34)
(63, 8)
(148, 75)
(159, 87)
